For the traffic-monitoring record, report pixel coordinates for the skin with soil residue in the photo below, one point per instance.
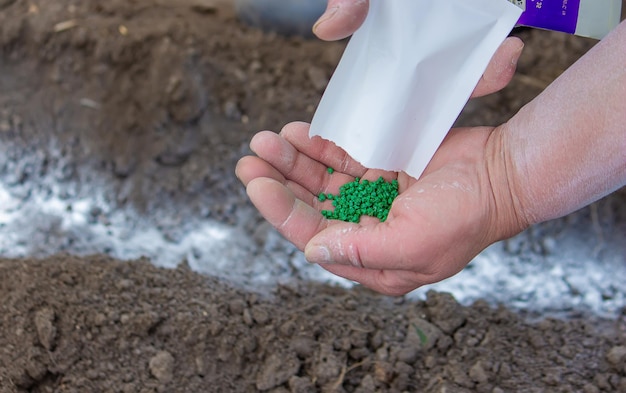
(159, 111)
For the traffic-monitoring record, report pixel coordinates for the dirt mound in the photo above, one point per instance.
(76, 325)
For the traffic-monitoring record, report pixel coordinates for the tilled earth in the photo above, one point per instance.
(95, 324)
(155, 100)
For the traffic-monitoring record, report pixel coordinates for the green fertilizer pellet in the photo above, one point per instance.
(359, 198)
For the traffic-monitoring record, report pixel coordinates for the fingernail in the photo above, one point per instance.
(326, 16)
(317, 254)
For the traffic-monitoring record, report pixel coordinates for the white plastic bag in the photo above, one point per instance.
(405, 76)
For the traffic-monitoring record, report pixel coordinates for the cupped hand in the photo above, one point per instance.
(435, 226)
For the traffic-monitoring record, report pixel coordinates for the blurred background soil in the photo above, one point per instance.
(157, 99)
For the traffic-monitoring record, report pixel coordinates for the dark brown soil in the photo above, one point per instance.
(78, 325)
(157, 99)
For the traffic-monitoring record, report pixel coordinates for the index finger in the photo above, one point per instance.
(305, 160)
(322, 150)
(341, 19)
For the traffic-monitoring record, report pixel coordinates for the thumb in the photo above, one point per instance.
(341, 19)
(376, 246)
(501, 67)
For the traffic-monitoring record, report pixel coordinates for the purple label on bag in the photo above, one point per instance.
(560, 15)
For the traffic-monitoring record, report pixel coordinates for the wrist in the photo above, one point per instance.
(508, 213)
(567, 148)
(563, 164)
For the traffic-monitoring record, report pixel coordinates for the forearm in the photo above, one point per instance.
(568, 146)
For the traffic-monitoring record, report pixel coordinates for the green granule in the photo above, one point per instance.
(358, 198)
(330, 170)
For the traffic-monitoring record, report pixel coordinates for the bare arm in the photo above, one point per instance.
(567, 148)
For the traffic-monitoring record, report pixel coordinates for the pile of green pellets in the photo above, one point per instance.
(361, 197)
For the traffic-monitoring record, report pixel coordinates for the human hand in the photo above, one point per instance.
(435, 226)
(412, 247)
(563, 150)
